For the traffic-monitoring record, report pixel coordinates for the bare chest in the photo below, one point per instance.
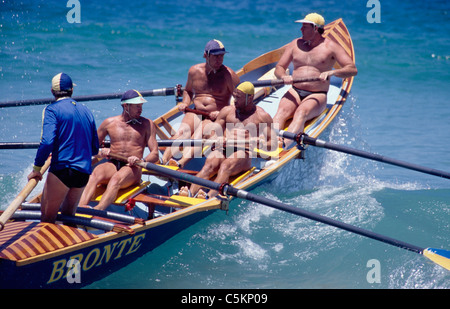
(127, 134)
(319, 57)
(215, 84)
(240, 124)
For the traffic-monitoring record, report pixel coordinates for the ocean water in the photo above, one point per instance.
(398, 107)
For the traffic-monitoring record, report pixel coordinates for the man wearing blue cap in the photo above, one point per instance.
(129, 133)
(209, 86)
(69, 134)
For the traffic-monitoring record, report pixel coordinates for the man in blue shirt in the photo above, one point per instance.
(69, 135)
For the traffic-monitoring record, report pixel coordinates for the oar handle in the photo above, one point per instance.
(277, 82)
(196, 111)
(15, 204)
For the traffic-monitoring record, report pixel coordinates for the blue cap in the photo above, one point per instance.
(62, 82)
(132, 97)
(215, 47)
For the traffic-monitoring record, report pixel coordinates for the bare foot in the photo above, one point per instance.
(184, 191)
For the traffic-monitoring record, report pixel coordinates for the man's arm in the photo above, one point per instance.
(102, 132)
(283, 64)
(188, 94)
(348, 68)
(152, 145)
(269, 135)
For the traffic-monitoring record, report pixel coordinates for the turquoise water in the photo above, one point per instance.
(398, 107)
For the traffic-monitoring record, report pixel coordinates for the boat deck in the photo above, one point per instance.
(21, 240)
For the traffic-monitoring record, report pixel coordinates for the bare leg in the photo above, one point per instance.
(286, 109)
(230, 167)
(197, 151)
(52, 197)
(101, 175)
(212, 165)
(69, 206)
(309, 108)
(189, 122)
(123, 178)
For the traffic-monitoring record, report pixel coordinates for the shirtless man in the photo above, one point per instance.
(129, 134)
(312, 56)
(209, 86)
(245, 121)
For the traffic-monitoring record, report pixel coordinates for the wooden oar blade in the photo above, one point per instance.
(438, 256)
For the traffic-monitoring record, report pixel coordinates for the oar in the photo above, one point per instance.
(196, 111)
(438, 256)
(91, 222)
(15, 204)
(305, 139)
(162, 143)
(277, 82)
(177, 90)
(18, 145)
(93, 212)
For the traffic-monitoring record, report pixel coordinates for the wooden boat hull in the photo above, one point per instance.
(38, 255)
(97, 257)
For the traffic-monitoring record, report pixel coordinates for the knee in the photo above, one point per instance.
(300, 113)
(226, 168)
(209, 168)
(115, 181)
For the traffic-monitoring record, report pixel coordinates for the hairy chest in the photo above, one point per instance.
(320, 57)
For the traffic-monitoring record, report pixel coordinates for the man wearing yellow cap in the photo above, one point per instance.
(243, 121)
(313, 56)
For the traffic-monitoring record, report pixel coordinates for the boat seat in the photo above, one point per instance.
(175, 201)
(124, 194)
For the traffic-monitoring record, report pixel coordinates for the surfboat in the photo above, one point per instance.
(95, 244)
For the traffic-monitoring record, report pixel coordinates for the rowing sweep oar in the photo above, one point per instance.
(91, 222)
(15, 204)
(302, 139)
(196, 111)
(438, 256)
(277, 82)
(177, 90)
(162, 143)
(93, 212)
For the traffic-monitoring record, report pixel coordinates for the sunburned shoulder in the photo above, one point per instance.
(197, 67)
(265, 116)
(112, 119)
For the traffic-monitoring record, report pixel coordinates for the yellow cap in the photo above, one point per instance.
(313, 18)
(247, 87)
